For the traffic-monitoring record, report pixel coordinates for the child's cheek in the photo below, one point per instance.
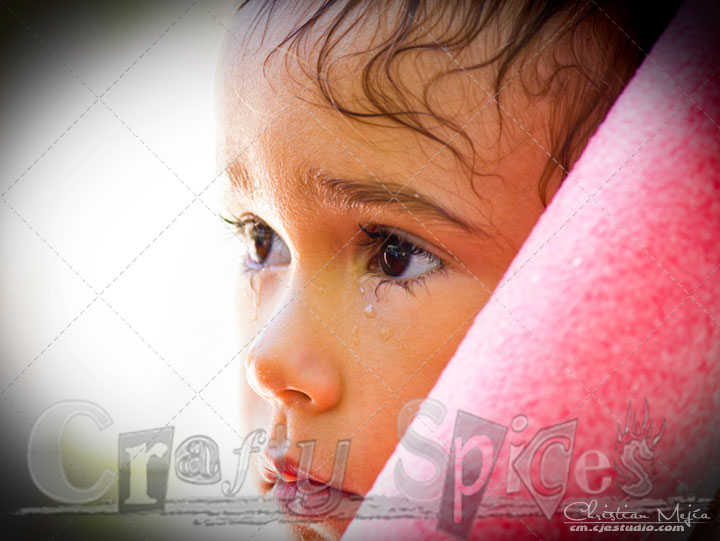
(258, 292)
(420, 331)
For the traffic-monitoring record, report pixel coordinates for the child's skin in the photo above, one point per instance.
(336, 356)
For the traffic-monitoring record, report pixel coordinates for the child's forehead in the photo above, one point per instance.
(280, 137)
(360, 53)
(286, 86)
(280, 105)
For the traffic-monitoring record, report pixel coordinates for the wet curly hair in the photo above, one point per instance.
(591, 49)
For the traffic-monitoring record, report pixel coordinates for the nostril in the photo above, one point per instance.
(288, 366)
(293, 397)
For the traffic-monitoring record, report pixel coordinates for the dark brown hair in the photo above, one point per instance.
(591, 49)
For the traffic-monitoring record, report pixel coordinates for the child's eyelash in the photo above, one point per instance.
(382, 243)
(240, 223)
(378, 238)
(260, 241)
(408, 284)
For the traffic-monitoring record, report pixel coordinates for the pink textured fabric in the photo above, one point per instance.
(614, 298)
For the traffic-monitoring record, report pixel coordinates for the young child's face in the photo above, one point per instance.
(346, 325)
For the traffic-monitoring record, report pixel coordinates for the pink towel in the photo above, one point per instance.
(611, 306)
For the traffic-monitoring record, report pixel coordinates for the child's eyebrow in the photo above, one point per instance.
(376, 193)
(372, 194)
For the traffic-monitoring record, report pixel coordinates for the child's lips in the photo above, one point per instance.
(278, 469)
(317, 501)
(282, 477)
(284, 468)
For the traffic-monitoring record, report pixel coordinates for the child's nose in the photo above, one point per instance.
(292, 362)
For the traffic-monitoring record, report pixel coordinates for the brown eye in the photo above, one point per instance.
(261, 241)
(264, 247)
(395, 257)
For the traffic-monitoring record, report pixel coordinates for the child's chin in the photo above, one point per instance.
(326, 529)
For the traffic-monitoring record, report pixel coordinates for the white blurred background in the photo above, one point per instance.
(116, 277)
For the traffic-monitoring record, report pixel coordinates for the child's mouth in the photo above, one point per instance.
(307, 499)
(303, 495)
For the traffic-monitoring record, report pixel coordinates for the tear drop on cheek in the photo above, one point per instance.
(385, 333)
(362, 290)
(253, 290)
(369, 310)
(254, 295)
(356, 335)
